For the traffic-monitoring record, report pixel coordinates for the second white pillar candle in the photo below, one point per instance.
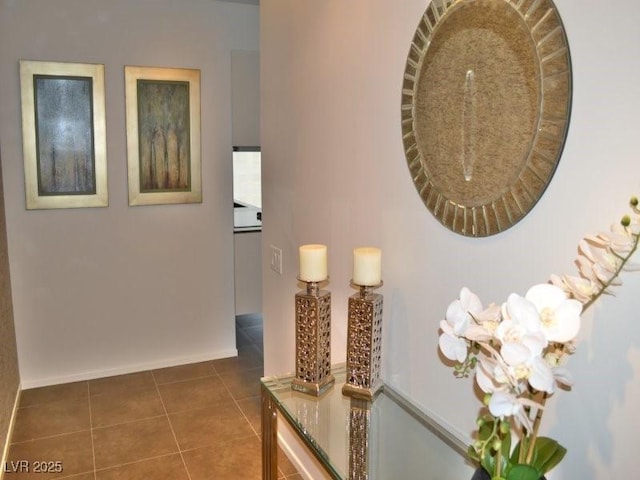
(367, 266)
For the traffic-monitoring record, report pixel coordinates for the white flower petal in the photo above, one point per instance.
(523, 312)
(563, 376)
(477, 333)
(455, 313)
(446, 327)
(545, 295)
(585, 266)
(604, 274)
(452, 347)
(484, 379)
(541, 377)
(470, 301)
(503, 404)
(581, 288)
(567, 322)
(515, 353)
(535, 343)
(490, 314)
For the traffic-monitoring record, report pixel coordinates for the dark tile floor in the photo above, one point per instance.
(191, 422)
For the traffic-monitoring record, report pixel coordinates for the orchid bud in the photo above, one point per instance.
(634, 201)
(505, 427)
(626, 221)
(497, 443)
(487, 399)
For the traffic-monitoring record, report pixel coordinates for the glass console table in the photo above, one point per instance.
(354, 439)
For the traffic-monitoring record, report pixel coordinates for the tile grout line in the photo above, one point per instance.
(175, 438)
(132, 462)
(235, 401)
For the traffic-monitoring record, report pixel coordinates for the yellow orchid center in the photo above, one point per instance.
(548, 317)
(522, 371)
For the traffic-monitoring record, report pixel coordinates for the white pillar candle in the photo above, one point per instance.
(313, 263)
(367, 266)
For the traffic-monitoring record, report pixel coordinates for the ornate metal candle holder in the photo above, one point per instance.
(313, 341)
(364, 343)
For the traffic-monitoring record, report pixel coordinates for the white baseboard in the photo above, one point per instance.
(307, 465)
(12, 422)
(293, 458)
(108, 372)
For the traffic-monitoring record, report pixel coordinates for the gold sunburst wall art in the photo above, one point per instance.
(486, 101)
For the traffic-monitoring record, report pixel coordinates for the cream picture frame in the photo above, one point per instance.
(163, 135)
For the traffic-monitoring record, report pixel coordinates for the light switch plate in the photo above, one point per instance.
(276, 259)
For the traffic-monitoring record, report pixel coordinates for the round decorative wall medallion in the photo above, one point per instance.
(486, 102)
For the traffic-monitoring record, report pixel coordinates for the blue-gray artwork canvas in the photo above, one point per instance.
(64, 135)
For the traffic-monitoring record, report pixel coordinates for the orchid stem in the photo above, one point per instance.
(536, 427)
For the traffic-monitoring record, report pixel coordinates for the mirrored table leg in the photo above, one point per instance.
(269, 436)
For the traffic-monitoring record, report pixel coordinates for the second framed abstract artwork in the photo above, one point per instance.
(163, 135)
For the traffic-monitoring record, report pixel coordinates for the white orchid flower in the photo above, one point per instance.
(493, 375)
(519, 346)
(505, 404)
(485, 377)
(559, 315)
(452, 346)
(620, 239)
(459, 313)
(526, 362)
(458, 324)
(522, 313)
(604, 263)
(487, 323)
(585, 267)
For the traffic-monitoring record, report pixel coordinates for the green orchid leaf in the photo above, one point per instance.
(489, 463)
(523, 472)
(547, 454)
(515, 455)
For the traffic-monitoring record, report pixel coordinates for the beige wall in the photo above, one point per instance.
(109, 290)
(245, 98)
(335, 173)
(9, 375)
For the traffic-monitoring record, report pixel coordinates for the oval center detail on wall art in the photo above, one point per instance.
(486, 102)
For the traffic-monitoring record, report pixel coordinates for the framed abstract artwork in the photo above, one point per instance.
(64, 134)
(163, 135)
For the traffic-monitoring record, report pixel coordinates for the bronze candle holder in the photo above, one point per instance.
(364, 343)
(313, 340)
